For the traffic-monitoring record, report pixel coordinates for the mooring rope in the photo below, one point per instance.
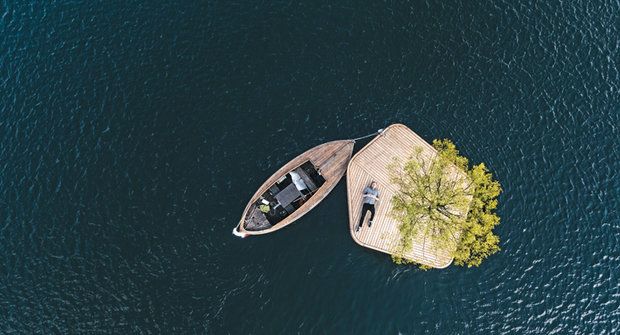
(378, 132)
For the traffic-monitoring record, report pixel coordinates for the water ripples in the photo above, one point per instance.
(133, 135)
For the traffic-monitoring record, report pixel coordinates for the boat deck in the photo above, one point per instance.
(330, 159)
(371, 163)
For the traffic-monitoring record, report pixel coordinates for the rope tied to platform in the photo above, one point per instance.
(378, 132)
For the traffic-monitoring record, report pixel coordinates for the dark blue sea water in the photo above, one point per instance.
(132, 134)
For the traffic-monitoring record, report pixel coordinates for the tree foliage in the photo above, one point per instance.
(446, 202)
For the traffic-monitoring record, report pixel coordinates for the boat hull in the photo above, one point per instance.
(330, 158)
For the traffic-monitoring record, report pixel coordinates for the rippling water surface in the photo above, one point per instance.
(133, 133)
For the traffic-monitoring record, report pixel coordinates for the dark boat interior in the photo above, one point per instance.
(284, 197)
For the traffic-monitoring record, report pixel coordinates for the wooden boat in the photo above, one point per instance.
(282, 199)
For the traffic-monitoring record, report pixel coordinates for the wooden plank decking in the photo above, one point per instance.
(371, 163)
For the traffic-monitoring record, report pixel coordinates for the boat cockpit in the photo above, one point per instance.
(284, 197)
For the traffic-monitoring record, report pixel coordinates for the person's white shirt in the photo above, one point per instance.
(299, 183)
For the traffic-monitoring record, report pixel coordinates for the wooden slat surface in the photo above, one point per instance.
(371, 163)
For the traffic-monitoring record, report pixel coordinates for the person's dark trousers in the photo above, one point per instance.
(367, 207)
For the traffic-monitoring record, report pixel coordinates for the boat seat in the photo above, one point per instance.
(304, 176)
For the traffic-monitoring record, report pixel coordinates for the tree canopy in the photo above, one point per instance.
(447, 202)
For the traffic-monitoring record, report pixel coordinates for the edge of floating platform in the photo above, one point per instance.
(371, 163)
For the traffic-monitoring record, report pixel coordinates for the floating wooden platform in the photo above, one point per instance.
(371, 163)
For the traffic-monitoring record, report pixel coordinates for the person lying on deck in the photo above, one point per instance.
(371, 195)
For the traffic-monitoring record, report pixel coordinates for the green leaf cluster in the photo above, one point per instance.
(477, 239)
(448, 203)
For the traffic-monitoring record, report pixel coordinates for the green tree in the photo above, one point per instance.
(446, 202)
